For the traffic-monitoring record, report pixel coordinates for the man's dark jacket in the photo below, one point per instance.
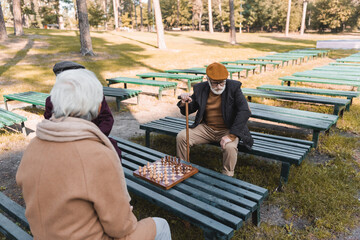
(234, 107)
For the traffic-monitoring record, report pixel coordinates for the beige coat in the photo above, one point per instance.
(74, 186)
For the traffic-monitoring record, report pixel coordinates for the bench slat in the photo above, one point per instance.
(11, 230)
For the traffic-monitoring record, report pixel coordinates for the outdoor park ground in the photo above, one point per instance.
(322, 197)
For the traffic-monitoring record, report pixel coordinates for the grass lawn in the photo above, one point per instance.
(321, 200)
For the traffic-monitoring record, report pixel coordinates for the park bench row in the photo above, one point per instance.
(216, 203)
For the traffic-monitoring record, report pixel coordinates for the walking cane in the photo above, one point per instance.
(187, 130)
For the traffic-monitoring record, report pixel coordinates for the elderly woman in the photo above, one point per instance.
(71, 178)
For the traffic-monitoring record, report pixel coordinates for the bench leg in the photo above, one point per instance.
(255, 217)
(247, 73)
(336, 110)
(231, 76)
(147, 138)
(125, 85)
(175, 91)
(189, 86)
(138, 99)
(23, 129)
(249, 98)
(117, 103)
(348, 106)
(210, 235)
(315, 138)
(160, 93)
(6, 106)
(284, 175)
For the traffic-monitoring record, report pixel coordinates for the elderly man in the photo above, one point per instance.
(222, 114)
(70, 175)
(105, 118)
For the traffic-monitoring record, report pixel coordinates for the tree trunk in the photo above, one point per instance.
(232, 23)
(309, 22)
(18, 29)
(200, 16)
(302, 29)
(106, 14)
(3, 34)
(37, 15)
(116, 15)
(211, 29)
(119, 13)
(221, 21)
(178, 14)
(149, 15)
(85, 39)
(159, 25)
(141, 18)
(288, 19)
(135, 15)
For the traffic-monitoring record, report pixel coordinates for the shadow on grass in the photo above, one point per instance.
(18, 57)
(312, 43)
(132, 39)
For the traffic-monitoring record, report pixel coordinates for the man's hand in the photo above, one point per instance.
(224, 141)
(185, 97)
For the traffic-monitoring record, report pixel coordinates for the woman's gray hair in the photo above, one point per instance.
(77, 93)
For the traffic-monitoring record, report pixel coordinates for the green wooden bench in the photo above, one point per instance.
(190, 79)
(317, 122)
(240, 68)
(199, 70)
(216, 203)
(338, 103)
(163, 85)
(34, 98)
(339, 69)
(272, 59)
(8, 118)
(121, 94)
(262, 64)
(317, 91)
(284, 149)
(289, 79)
(321, 53)
(315, 74)
(345, 64)
(349, 59)
(308, 55)
(13, 223)
(298, 56)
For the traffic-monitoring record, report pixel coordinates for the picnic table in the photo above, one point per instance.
(8, 118)
(163, 85)
(339, 104)
(262, 64)
(317, 122)
(190, 79)
(317, 91)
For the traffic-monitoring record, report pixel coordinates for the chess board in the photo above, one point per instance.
(166, 172)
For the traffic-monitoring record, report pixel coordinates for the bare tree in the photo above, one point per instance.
(159, 25)
(3, 34)
(85, 39)
(302, 29)
(116, 14)
(141, 18)
(135, 15)
(18, 29)
(37, 15)
(232, 23)
(211, 29)
(288, 19)
(197, 13)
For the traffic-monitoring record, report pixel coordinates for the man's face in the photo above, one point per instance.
(217, 86)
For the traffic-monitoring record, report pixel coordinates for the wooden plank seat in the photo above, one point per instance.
(336, 72)
(121, 94)
(298, 56)
(216, 203)
(284, 149)
(272, 59)
(189, 78)
(199, 70)
(326, 75)
(349, 60)
(289, 79)
(344, 64)
(8, 118)
(13, 223)
(34, 98)
(262, 64)
(321, 53)
(163, 85)
(317, 91)
(339, 69)
(338, 103)
(317, 122)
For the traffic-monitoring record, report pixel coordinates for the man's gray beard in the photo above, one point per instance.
(217, 92)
